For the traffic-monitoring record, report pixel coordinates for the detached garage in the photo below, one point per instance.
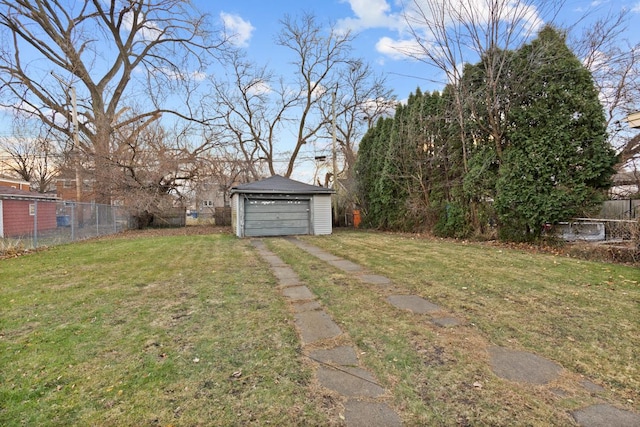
(21, 210)
(279, 206)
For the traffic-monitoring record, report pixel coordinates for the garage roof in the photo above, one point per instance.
(280, 185)
(14, 193)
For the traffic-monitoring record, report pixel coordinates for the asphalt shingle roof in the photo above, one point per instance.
(280, 185)
(14, 193)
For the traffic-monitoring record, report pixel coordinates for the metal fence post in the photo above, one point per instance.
(35, 224)
(73, 222)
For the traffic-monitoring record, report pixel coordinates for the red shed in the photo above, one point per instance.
(18, 210)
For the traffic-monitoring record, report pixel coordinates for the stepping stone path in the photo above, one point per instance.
(339, 371)
(338, 368)
(521, 366)
(412, 303)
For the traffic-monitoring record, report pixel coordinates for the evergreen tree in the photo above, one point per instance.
(369, 166)
(557, 161)
(391, 191)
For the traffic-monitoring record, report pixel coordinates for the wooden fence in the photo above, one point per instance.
(620, 209)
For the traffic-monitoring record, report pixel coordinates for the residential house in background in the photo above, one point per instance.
(625, 185)
(15, 183)
(66, 189)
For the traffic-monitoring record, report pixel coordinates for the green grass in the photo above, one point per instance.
(148, 331)
(191, 330)
(583, 315)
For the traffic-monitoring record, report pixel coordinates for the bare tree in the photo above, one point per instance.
(152, 167)
(156, 49)
(615, 66)
(33, 156)
(452, 34)
(261, 109)
(361, 98)
(254, 108)
(318, 55)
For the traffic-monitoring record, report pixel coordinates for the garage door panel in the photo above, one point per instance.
(276, 217)
(280, 207)
(275, 211)
(277, 231)
(265, 223)
(282, 216)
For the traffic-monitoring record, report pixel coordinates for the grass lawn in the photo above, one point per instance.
(190, 330)
(184, 330)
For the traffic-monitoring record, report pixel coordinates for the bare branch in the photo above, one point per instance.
(158, 51)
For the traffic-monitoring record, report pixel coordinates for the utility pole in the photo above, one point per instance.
(335, 162)
(76, 140)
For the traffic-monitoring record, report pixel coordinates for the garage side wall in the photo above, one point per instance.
(236, 222)
(18, 218)
(322, 214)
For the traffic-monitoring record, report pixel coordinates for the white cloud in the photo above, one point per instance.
(479, 11)
(258, 87)
(147, 31)
(636, 8)
(382, 14)
(237, 29)
(370, 14)
(183, 75)
(375, 107)
(399, 49)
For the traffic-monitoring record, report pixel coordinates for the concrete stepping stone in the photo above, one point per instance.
(346, 265)
(343, 356)
(320, 254)
(315, 326)
(324, 256)
(522, 366)
(370, 414)
(285, 274)
(298, 293)
(314, 250)
(299, 307)
(592, 387)
(413, 303)
(258, 244)
(375, 279)
(446, 322)
(604, 415)
(349, 381)
(273, 260)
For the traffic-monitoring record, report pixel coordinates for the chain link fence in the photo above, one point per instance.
(50, 223)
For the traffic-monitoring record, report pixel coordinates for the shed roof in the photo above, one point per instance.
(14, 193)
(280, 185)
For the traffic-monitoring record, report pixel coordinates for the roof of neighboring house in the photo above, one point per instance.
(14, 193)
(622, 178)
(13, 180)
(280, 185)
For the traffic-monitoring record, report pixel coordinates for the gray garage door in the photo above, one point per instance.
(276, 217)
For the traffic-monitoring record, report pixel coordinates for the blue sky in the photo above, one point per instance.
(379, 26)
